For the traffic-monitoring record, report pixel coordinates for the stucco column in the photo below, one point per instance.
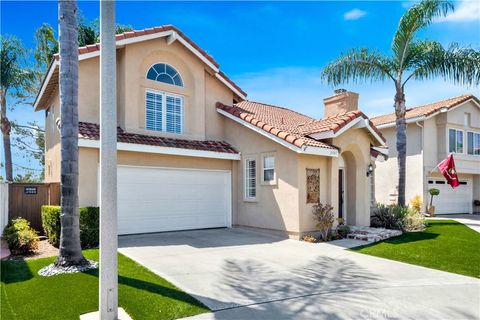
(332, 179)
(108, 291)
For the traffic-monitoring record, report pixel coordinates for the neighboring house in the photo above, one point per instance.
(193, 153)
(434, 131)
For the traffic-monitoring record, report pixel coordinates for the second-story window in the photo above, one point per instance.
(163, 112)
(455, 141)
(473, 143)
(165, 73)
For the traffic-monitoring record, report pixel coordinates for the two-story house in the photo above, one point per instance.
(194, 153)
(434, 131)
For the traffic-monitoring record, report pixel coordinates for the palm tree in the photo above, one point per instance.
(410, 58)
(70, 248)
(15, 80)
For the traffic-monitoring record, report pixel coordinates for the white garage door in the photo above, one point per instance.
(452, 201)
(157, 199)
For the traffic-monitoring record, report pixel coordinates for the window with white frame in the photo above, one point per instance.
(268, 168)
(165, 73)
(455, 141)
(250, 178)
(163, 112)
(473, 143)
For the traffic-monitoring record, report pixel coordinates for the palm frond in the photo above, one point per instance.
(358, 65)
(417, 17)
(460, 65)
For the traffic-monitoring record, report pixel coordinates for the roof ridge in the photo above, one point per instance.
(275, 106)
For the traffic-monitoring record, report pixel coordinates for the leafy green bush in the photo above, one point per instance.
(89, 225)
(21, 238)
(323, 214)
(343, 230)
(51, 223)
(389, 217)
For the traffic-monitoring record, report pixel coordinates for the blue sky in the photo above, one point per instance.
(274, 50)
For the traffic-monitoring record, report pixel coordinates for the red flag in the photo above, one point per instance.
(447, 168)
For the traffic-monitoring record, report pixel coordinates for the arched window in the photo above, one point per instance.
(165, 73)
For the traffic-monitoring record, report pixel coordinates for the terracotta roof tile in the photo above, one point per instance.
(91, 131)
(289, 125)
(425, 110)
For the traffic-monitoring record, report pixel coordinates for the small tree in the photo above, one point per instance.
(433, 192)
(323, 214)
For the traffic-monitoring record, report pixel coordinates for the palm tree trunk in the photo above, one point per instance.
(70, 248)
(401, 143)
(6, 128)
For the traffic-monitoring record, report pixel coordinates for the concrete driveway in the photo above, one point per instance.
(242, 274)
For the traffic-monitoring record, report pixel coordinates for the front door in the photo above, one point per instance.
(341, 193)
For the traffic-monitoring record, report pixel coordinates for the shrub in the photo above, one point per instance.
(89, 225)
(21, 238)
(51, 223)
(416, 203)
(389, 217)
(323, 214)
(414, 221)
(343, 230)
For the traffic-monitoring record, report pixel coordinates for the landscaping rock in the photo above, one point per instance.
(52, 270)
(372, 234)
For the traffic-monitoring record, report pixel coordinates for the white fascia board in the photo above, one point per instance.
(50, 72)
(383, 151)
(307, 150)
(331, 134)
(197, 53)
(372, 131)
(122, 146)
(230, 86)
(394, 123)
(360, 122)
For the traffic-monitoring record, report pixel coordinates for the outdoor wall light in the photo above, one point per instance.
(369, 170)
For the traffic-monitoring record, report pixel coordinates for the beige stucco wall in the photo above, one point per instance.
(386, 173)
(89, 165)
(276, 206)
(52, 140)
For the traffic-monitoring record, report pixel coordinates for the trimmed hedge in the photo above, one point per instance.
(89, 225)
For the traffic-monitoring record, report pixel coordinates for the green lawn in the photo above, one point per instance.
(144, 295)
(445, 245)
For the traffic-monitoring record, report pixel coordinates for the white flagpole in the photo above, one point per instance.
(108, 290)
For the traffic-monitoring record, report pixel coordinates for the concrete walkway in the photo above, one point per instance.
(242, 274)
(4, 251)
(470, 220)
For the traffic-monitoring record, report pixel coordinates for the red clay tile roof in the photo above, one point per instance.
(91, 131)
(425, 110)
(138, 33)
(289, 125)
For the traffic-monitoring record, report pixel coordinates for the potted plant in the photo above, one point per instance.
(431, 208)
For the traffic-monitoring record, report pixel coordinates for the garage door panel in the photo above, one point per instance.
(452, 201)
(155, 199)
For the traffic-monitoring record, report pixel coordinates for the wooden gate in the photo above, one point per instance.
(26, 199)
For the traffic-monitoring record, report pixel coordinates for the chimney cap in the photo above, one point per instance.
(339, 91)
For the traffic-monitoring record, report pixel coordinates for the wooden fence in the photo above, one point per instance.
(26, 199)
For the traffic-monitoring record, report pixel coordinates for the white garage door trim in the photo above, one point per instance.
(227, 196)
(440, 201)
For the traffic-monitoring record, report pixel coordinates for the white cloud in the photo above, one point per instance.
(354, 14)
(465, 11)
(302, 90)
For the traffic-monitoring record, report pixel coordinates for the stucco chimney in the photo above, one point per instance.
(342, 101)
